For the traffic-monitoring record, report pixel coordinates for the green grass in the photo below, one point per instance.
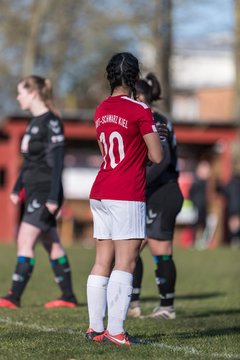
(207, 304)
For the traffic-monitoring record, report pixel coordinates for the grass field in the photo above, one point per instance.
(207, 304)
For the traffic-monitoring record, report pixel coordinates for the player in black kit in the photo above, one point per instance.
(43, 150)
(164, 201)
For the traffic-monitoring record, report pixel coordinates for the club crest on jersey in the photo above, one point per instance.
(34, 130)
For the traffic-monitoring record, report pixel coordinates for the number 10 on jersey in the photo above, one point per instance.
(114, 150)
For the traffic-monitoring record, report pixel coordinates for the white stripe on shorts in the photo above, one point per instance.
(118, 219)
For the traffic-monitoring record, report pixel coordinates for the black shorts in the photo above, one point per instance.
(35, 211)
(162, 208)
(233, 194)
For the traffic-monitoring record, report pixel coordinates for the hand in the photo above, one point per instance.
(51, 207)
(162, 130)
(15, 198)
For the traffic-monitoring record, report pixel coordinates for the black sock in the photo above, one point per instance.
(62, 272)
(137, 280)
(165, 279)
(20, 278)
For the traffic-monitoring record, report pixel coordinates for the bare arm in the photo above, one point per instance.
(155, 150)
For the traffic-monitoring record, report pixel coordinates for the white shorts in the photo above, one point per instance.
(118, 219)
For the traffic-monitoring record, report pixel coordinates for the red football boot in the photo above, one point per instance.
(7, 303)
(92, 335)
(71, 303)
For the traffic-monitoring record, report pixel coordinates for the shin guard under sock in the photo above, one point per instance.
(20, 278)
(62, 274)
(97, 301)
(119, 293)
(165, 279)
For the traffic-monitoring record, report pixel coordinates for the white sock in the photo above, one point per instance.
(119, 292)
(97, 301)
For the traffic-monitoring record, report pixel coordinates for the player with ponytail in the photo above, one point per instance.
(42, 148)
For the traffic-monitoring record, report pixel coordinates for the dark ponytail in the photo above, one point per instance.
(150, 88)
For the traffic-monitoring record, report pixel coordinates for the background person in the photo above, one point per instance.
(43, 151)
(232, 192)
(164, 201)
(198, 194)
(127, 135)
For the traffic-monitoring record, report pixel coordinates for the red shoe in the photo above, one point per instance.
(121, 339)
(60, 303)
(92, 335)
(7, 304)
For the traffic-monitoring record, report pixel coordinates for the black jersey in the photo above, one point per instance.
(167, 171)
(43, 151)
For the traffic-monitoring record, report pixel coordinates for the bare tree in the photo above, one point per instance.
(163, 40)
(71, 41)
(36, 14)
(151, 24)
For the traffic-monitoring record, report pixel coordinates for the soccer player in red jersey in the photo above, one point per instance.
(127, 136)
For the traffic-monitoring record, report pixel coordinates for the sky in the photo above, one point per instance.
(203, 35)
(201, 22)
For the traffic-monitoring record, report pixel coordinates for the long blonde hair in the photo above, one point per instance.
(44, 89)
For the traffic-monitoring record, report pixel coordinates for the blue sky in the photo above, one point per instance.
(204, 19)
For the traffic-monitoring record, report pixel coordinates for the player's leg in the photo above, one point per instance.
(98, 279)
(128, 230)
(165, 276)
(234, 229)
(25, 263)
(160, 234)
(234, 211)
(61, 269)
(119, 291)
(134, 307)
(30, 228)
(97, 287)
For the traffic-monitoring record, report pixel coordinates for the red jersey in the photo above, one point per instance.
(121, 124)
